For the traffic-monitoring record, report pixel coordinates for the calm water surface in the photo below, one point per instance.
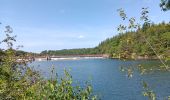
(108, 82)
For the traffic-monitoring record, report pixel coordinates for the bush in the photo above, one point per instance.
(20, 82)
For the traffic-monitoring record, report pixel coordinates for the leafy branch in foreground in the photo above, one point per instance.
(59, 89)
(19, 82)
(165, 5)
(136, 27)
(133, 26)
(148, 92)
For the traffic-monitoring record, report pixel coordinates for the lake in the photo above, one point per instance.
(108, 82)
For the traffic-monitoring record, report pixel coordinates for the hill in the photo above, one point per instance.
(140, 43)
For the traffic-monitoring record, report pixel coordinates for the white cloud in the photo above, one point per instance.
(81, 36)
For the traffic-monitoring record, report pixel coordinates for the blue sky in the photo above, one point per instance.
(65, 24)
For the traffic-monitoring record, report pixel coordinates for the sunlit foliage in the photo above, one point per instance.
(20, 82)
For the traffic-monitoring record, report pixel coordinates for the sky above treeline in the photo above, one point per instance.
(66, 24)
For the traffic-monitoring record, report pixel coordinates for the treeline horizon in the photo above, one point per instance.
(128, 44)
(124, 45)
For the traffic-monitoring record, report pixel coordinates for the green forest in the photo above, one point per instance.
(82, 51)
(18, 81)
(129, 44)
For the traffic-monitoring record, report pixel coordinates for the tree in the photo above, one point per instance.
(19, 82)
(165, 5)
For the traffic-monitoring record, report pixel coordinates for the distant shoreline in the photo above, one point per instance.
(68, 58)
(79, 57)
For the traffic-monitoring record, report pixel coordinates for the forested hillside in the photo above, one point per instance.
(130, 44)
(134, 43)
(83, 51)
